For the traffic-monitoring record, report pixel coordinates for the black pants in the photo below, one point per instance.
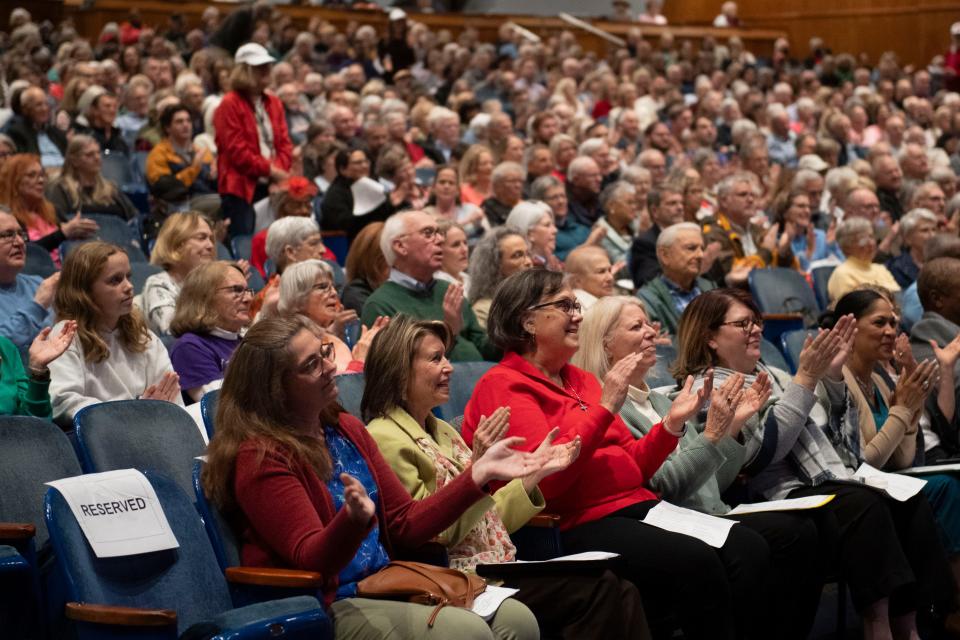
(788, 606)
(591, 604)
(709, 593)
(240, 213)
(883, 548)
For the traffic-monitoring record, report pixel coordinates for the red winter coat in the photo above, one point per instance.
(239, 161)
(613, 465)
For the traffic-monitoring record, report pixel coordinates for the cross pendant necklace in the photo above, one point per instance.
(583, 406)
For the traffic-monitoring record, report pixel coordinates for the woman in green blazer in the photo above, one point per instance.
(408, 363)
(26, 392)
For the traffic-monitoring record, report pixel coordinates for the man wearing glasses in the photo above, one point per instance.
(25, 299)
(413, 247)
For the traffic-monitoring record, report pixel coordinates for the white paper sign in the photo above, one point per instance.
(790, 504)
(709, 529)
(896, 486)
(368, 194)
(118, 511)
(486, 604)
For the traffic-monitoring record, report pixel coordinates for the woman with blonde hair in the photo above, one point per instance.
(212, 311)
(476, 175)
(81, 187)
(185, 242)
(345, 514)
(114, 356)
(307, 288)
(21, 189)
(707, 460)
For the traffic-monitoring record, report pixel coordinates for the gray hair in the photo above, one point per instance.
(590, 146)
(578, 165)
(615, 191)
(840, 179)
(288, 232)
(669, 235)
(633, 173)
(505, 169)
(953, 206)
(527, 214)
(850, 229)
(438, 115)
(805, 176)
(540, 186)
(727, 184)
(393, 228)
(484, 267)
(297, 282)
(914, 217)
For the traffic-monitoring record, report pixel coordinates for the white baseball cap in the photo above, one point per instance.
(812, 162)
(253, 54)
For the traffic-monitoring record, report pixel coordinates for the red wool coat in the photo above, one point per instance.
(613, 465)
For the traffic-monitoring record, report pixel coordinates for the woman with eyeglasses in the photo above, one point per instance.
(212, 311)
(307, 488)
(21, 189)
(885, 431)
(706, 462)
(602, 497)
(500, 254)
(114, 356)
(887, 551)
(306, 288)
(408, 361)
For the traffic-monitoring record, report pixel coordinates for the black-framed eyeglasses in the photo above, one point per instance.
(745, 325)
(314, 364)
(428, 233)
(237, 290)
(6, 237)
(568, 306)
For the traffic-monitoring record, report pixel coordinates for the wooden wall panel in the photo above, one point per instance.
(916, 30)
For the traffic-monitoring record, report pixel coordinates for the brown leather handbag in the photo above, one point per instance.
(423, 584)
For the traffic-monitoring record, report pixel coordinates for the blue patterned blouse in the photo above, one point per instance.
(371, 556)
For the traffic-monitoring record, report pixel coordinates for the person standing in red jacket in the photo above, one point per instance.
(254, 148)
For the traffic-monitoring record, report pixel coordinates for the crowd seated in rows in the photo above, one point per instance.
(563, 287)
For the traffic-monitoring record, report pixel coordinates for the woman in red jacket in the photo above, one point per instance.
(601, 498)
(253, 147)
(307, 488)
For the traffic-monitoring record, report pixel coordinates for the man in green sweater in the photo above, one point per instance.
(413, 247)
(680, 254)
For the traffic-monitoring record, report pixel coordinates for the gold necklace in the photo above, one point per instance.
(583, 406)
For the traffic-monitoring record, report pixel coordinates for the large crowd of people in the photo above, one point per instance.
(316, 202)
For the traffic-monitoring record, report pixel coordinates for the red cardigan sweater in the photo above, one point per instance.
(613, 465)
(288, 519)
(239, 161)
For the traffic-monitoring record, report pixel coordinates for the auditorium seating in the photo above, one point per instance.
(139, 434)
(163, 593)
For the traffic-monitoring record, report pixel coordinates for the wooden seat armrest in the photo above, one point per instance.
(783, 316)
(274, 577)
(544, 520)
(17, 531)
(126, 616)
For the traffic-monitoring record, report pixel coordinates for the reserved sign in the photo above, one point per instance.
(118, 511)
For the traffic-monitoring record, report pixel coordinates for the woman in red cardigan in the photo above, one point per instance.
(253, 146)
(601, 498)
(308, 489)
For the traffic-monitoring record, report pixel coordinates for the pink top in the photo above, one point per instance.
(40, 228)
(469, 194)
